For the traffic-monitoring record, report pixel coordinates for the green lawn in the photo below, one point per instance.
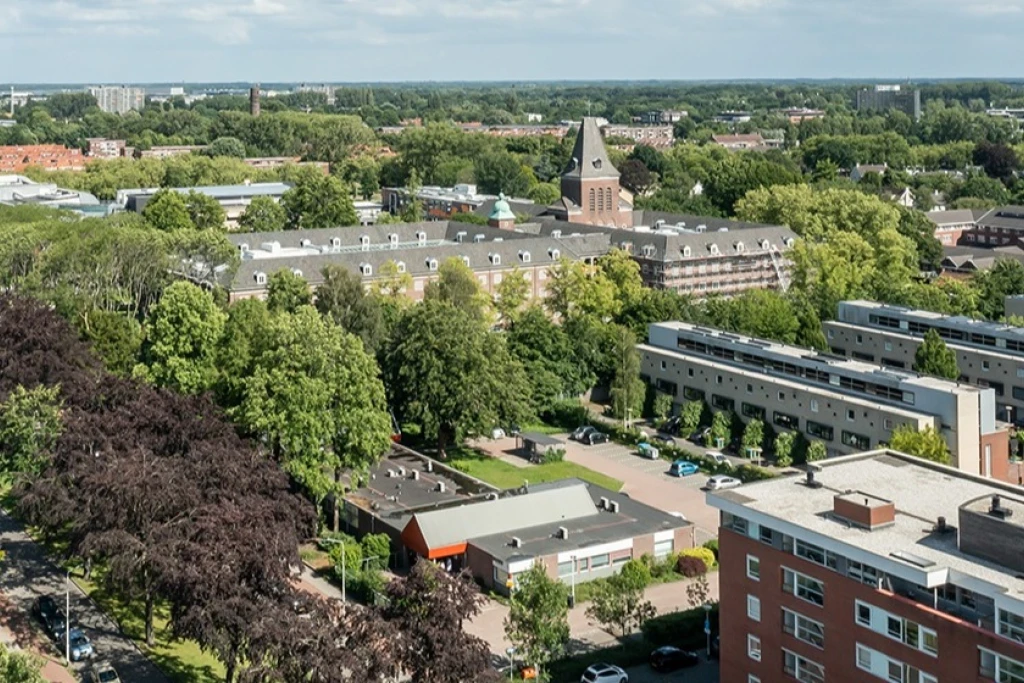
(182, 660)
(505, 476)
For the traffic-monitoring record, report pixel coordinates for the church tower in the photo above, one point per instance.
(590, 184)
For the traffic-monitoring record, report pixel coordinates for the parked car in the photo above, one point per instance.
(719, 458)
(581, 432)
(648, 451)
(683, 468)
(604, 673)
(664, 439)
(670, 658)
(596, 438)
(50, 615)
(698, 436)
(718, 482)
(102, 672)
(671, 425)
(81, 646)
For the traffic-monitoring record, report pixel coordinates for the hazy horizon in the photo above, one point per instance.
(406, 41)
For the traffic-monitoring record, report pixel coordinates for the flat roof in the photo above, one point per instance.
(957, 321)
(540, 439)
(633, 519)
(922, 492)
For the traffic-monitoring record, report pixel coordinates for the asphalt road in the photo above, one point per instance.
(705, 672)
(27, 573)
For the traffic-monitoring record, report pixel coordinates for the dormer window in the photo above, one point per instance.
(478, 238)
(305, 242)
(465, 259)
(687, 252)
(243, 247)
(296, 272)
(421, 237)
(648, 250)
(790, 242)
(260, 277)
(713, 248)
(739, 247)
(765, 244)
(555, 254)
(524, 256)
(597, 164)
(431, 264)
(556, 233)
(495, 259)
(393, 240)
(336, 242)
(366, 269)
(460, 236)
(364, 242)
(400, 266)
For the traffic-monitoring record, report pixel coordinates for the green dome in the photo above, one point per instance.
(502, 211)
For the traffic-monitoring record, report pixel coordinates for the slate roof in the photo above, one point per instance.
(979, 258)
(589, 156)
(1011, 217)
(552, 507)
(955, 216)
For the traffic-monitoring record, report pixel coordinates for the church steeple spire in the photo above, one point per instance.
(589, 157)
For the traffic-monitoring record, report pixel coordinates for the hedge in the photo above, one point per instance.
(707, 556)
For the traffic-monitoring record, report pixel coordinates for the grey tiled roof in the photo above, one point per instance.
(589, 156)
(955, 216)
(1011, 217)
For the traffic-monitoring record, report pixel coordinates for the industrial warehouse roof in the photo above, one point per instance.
(447, 531)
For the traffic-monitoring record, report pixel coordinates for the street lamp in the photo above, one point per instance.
(67, 616)
(511, 661)
(707, 625)
(344, 595)
(575, 568)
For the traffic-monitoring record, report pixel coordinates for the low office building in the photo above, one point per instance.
(16, 190)
(876, 566)
(849, 405)
(234, 199)
(102, 148)
(988, 354)
(659, 137)
(16, 158)
(416, 249)
(168, 151)
(746, 141)
(578, 531)
(951, 225)
(662, 117)
(439, 203)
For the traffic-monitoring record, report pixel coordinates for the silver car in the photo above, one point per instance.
(718, 482)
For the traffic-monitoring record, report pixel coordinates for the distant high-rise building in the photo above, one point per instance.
(884, 97)
(118, 99)
(254, 100)
(326, 90)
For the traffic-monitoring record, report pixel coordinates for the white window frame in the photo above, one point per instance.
(753, 607)
(400, 266)
(799, 663)
(753, 647)
(753, 567)
(804, 629)
(796, 586)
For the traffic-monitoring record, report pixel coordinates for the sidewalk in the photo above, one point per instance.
(17, 633)
(489, 625)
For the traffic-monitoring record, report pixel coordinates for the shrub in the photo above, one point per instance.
(705, 555)
(635, 573)
(662, 405)
(553, 455)
(377, 546)
(712, 545)
(747, 473)
(690, 566)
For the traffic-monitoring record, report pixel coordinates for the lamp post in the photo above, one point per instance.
(511, 652)
(344, 571)
(575, 568)
(707, 625)
(67, 616)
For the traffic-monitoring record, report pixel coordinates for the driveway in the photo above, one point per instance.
(27, 573)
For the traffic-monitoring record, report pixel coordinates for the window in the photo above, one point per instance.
(985, 365)
(815, 554)
(664, 365)
(565, 568)
(802, 669)
(421, 237)
(754, 648)
(400, 266)
(737, 524)
(851, 414)
(598, 561)
(722, 403)
(524, 256)
(999, 668)
(803, 587)
(366, 269)
(496, 259)
(800, 627)
(718, 379)
(750, 410)
(739, 247)
(856, 441)
(753, 608)
(336, 242)
(751, 678)
(767, 535)
(691, 394)
(819, 430)
(750, 388)
(863, 614)
(753, 568)
(782, 395)
(1011, 625)
(864, 573)
(432, 264)
(908, 632)
(664, 548)
(261, 278)
(860, 338)
(787, 421)
(600, 200)
(814, 405)
(888, 346)
(555, 254)
(593, 200)
(863, 658)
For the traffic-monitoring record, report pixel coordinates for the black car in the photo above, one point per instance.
(671, 426)
(663, 439)
(51, 615)
(670, 658)
(596, 438)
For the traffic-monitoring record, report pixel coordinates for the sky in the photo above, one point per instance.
(338, 41)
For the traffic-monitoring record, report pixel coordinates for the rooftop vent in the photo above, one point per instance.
(391, 474)
(563, 532)
(430, 466)
(401, 471)
(603, 504)
(997, 509)
(440, 487)
(415, 475)
(613, 506)
(517, 542)
(492, 496)
(941, 527)
(810, 482)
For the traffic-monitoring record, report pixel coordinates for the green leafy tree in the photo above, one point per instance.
(204, 211)
(785, 445)
(343, 299)
(934, 358)
(182, 334)
(546, 351)
(575, 288)
(690, 417)
(19, 667)
(627, 389)
(318, 201)
(544, 194)
(927, 443)
(449, 374)
(620, 603)
(115, 337)
(392, 283)
(457, 285)
(1005, 278)
(511, 295)
(377, 547)
(817, 451)
(662, 405)
(537, 624)
(226, 147)
(624, 273)
(30, 424)
(168, 211)
(262, 215)
(501, 171)
(287, 291)
(753, 435)
(721, 426)
(313, 394)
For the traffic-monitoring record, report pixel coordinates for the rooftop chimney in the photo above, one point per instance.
(517, 542)
(613, 506)
(810, 482)
(864, 510)
(563, 532)
(997, 509)
(440, 487)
